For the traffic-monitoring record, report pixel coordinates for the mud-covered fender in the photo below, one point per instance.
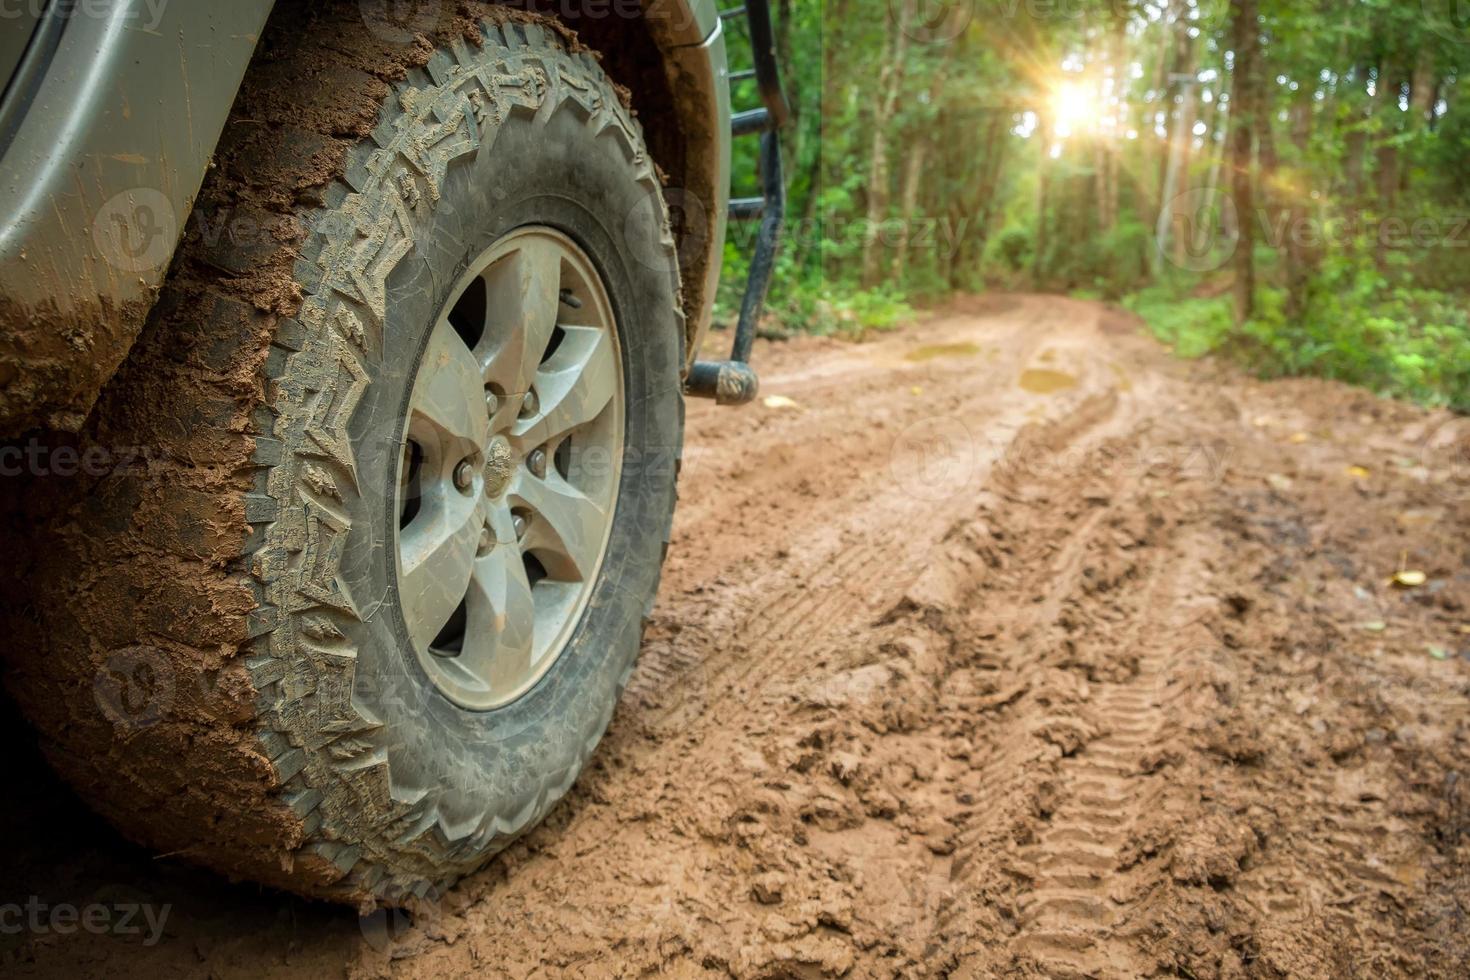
(118, 122)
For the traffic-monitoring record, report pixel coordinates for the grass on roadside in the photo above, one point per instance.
(1408, 343)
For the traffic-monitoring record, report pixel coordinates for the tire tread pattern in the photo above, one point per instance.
(362, 832)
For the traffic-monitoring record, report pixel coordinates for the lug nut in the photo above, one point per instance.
(531, 405)
(464, 476)
(536, 463)
(521, 523)
(492, 403)
(487, 541)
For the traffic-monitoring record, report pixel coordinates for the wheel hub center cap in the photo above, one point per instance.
(499, 462)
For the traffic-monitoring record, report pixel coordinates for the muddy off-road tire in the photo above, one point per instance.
(231, 665)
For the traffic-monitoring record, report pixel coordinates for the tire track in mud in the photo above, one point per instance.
(1075, 919)
(1070, 909)
(1100, 711)
(844, 573)
(1096, 727)
(785, 636)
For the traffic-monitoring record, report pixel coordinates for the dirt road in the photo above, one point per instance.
(1002, 645)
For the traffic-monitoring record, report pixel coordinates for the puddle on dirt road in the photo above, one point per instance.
(931, 351)
(1041, 381)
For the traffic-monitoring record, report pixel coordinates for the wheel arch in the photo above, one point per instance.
(672, 61)
(58, 294)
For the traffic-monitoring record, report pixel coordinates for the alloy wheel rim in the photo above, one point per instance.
(509, 468)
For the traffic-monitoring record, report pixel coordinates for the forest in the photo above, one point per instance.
(1282, 182)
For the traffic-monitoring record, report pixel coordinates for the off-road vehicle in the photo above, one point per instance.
(362, 332)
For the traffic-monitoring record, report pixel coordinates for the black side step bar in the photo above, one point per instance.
(734, 382)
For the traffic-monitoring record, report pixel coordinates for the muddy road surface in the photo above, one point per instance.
(1003, 645)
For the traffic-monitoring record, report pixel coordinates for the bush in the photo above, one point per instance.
(858, 312)
(1191, 326)
(1410, 343)
(1357, 327)
(1125, 267)
(1012, 249)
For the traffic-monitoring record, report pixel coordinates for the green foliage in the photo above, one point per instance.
(1192, 327)
(809, 303)
(1123, 251)
(856, 313)
(1410, 343)
(1012, 248)
(1360, 133)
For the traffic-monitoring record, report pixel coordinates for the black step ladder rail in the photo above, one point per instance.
(734, 382)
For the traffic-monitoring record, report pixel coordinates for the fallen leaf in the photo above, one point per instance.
(1438, 652)
(1375, 626)
(1409, 578)
(1299, 437)
(1279, 482)
(779, 401)
(1465, 629)
(1359, 472)
(916, 390)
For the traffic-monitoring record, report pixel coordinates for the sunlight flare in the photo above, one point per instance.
(1074, 107)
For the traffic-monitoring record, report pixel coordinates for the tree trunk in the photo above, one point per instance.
(1358, 143)
(975, 211)
(1386, 156)
(1043, 180)
(1181, 59)
(1182, 176)
(1219, 123)
(790, 80)
(913, 169)
(1423, 88)
(806, 231)
(985, 209)
(1301, 245)
(1390, 84)
(1174, 167)
(826, 166)
(1105, 144)
(890, 83)
(1245, 40)
(914, 172)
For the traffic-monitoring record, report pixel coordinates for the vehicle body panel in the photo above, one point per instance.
(699, 78)
(15, 38)
(110, 152)
(95, 185)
